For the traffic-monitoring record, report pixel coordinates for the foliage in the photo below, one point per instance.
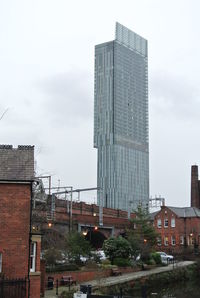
(105, 262)
(67, 294)
(77, 246)
(116, 248)
(151, 261)
(157, 258)
(52, 255)
(121, 262)
(141, 234)
(64, 267)
(91, 264)
(95, 257)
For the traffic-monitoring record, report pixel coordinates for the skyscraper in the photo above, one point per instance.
(121, 120)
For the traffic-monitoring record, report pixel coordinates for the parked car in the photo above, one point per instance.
(84, 259)
(100, 254)
(165, 258)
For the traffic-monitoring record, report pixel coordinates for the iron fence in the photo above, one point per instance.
(13, 288)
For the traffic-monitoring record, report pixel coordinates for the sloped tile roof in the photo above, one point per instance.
(185, 211)
(16, 164)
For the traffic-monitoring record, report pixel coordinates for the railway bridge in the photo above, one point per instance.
(80, 217)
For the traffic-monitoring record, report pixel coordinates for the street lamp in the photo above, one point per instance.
(85, 233)
(49, 224)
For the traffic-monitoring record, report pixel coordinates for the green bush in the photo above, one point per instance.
(109, 266)
(91, 264)
(156, 257)
(121, 262)
(105, 262)
(151, 262)
(65, 267)
(67, 294)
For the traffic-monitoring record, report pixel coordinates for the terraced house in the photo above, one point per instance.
(19, 247)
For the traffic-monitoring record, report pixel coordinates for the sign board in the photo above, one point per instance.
(80, 295)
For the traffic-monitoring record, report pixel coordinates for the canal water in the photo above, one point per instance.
(178, 290)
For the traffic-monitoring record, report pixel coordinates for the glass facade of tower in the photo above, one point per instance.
(121, 120)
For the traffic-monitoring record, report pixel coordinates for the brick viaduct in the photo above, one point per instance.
(84, 219)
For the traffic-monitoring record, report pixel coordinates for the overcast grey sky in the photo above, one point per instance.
(47, 75)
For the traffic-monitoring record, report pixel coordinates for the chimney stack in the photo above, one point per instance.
(195, 191)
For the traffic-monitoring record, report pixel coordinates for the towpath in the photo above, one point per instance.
(113, 280)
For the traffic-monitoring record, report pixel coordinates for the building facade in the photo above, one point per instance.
(121, 120)
(19, 247)
(178, 228)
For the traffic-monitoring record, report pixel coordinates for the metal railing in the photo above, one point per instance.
(13, 288)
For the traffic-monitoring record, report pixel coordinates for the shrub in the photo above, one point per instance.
(91, 264)
(60, 268)
(121, 262)
(116, 247)
(151, 262)
(67, 294)
(105, 262)
(157, 258)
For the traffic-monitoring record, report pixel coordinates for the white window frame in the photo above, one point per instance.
(159, 223)
(173, 240)
(0, 262)
(33, 256)
(182, 240)
(173, 222)
(166, 221)
(166, 240)
(159, 241)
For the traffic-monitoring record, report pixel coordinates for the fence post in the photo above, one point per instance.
(56, 286)
(2, 286)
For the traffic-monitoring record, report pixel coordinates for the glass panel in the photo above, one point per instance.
(33, 257)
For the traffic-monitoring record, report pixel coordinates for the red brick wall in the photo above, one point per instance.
(83, 276)
(35, 286)
(195, 195)
(183, 227)
(14, 228)
(43, 277)
(83, 214)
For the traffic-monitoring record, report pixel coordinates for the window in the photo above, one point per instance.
(159, 241)
(173, 224)
(159, 224)
(166, 223)
(166, 241)
(0, 262)
(33, 257)
(173, 240)
(182, 240)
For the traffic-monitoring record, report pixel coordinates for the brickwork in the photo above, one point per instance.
(35, 286)
(181, 231)
(195, 187)
(16, 176)
(43, 277)
(84, 276)
(114, 221)
(14, 229)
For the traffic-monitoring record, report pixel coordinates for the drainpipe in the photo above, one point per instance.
(185, 236)
(30, 234)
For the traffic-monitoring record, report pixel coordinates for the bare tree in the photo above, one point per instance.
(6, 110)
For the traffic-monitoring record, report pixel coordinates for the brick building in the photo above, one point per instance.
(178, 228)
(19, 248)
